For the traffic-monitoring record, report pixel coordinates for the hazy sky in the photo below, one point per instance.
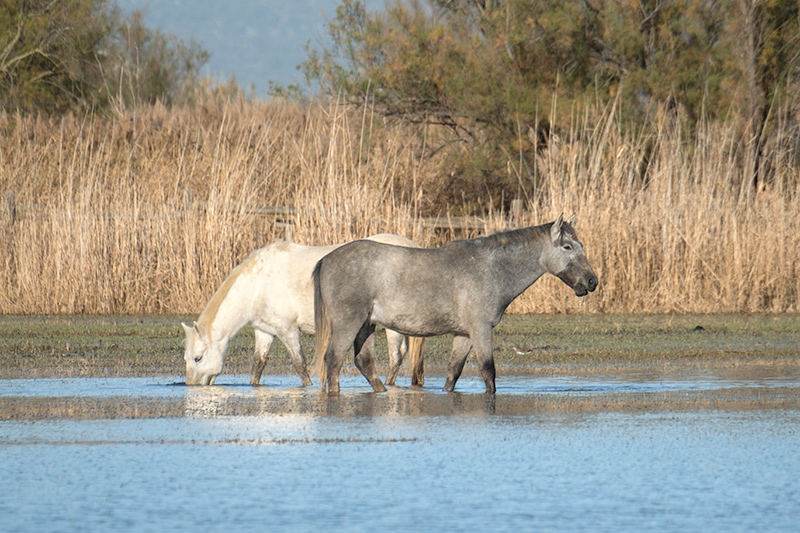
(257, 40)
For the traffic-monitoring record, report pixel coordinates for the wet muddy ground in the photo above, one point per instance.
(127, 346)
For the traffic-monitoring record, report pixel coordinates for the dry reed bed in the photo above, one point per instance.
(147, 213)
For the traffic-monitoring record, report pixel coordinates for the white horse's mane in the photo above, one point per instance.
(245, 268)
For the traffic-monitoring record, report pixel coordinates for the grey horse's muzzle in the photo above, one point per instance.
(582, 286)
(589, 286)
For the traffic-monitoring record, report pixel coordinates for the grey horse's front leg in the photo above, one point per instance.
(263, 343)
(461, 348)
(483, 351)
(364, 346)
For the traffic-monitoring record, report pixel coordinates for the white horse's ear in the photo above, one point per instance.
(199, 331)
(571, 220)
(555, 229)
(186, 329)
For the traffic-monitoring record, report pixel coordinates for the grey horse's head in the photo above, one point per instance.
(566, 259)
(204, 358)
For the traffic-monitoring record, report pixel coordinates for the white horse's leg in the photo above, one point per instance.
(416, 361)
(398, 347)
(263, 343)
(291, 339)
(461, 348)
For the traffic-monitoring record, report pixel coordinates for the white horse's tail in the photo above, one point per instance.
(323, 327)
(415, 345)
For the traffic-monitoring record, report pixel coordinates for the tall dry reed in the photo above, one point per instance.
(148, 212)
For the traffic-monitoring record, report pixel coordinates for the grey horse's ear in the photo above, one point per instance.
(555, 229)
(571, 220)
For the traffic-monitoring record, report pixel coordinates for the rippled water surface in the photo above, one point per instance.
(545, 454)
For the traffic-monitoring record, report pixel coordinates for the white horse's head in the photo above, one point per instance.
(204, 358)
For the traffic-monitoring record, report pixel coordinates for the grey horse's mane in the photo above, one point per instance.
(522, 235)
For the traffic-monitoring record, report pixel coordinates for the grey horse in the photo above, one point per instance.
(461, 288)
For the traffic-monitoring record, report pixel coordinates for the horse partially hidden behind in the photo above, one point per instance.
(462, 288)
(272, 289)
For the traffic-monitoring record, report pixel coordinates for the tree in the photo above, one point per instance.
(48, 52)
(57, 55)
(666, 51)
(145, 65)
(765, 52)
(498, 72)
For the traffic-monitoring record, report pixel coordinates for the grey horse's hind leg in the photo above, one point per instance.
(341, 339)
(333, 366)
(364, 347)
(263, 343)
(461, 348)
(291, 339)
(398, 347)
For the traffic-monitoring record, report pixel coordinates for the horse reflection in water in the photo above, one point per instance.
(226, 401)
(462, 288)
(237, 401)
(272, 290)
(207, 402)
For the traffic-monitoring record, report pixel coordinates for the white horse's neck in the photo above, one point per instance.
(229, 309)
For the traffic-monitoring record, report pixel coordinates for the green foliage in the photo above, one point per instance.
(47, 58)
(58, 55)
(504, 75)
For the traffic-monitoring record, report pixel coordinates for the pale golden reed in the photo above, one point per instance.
(148, 212)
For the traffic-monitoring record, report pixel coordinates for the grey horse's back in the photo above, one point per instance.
(399, 288)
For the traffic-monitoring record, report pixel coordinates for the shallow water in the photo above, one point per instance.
(510, 384)
(603, 453)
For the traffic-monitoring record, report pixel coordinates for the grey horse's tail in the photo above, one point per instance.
(415, 345)
(322, 325)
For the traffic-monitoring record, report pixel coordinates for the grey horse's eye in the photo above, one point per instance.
(568, 247)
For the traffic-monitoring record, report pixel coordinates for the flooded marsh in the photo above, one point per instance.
(671, 443)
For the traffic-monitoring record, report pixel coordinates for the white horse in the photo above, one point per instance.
(273, 290)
